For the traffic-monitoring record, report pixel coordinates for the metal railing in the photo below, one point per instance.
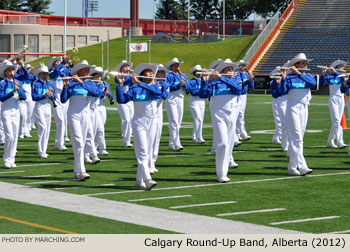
(20, 19)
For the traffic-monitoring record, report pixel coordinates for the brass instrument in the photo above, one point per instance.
(71, 57)
(20, 55)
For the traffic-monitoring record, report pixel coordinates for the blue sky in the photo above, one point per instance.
(107, 8)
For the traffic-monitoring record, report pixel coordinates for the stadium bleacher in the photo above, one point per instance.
(318, 28)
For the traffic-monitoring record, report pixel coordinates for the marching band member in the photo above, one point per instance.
(43, 91)
(161, 74)
(26, 107)
(10, 92)
(297, 85)
(145, 97)
(125, 111)
(2, 135)
(175, 102)
(224, 94)
(78, 90)
(58, 70)
(197, 104)
(101, 113)
(335, 102)
(247, 81)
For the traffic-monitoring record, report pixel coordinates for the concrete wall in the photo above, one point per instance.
(40, 30)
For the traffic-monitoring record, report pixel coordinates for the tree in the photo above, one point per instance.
(269, 7)
(166, 9)
(205, 10)
(182, 9)
(37, 6)
(12, 5)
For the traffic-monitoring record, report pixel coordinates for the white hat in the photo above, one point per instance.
(94, 70)
(5, 65)
(224, 64)
(49, 65)
(194, 69)
(172, 62)
(276, 71)
(162, 68)
(339, 62)
(285, 65)
(242, 63)
(215, 63)
(143, 66)
(298, 58)
(124, 62)
(28, 66)
(2, 59)
(41, 69)
(82, 64)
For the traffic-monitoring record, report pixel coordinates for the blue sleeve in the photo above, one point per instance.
(123, 97)
(233, 83)
(152, 88)
(285, 85)
(66, 94)
(110, 91)
(344, 88)
(52, 85)
(174, 85)
(165, 92)
(309, 79)
(273, 89)
(191, 87)
(35, 95)
(324, 80)
(3, 95)
(206, 90)
(93, 88)
(22, 92)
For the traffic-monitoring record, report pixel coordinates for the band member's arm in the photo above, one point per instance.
(156, 89)
(233, 83)
(52, 85)
(309, 79)
(35, 95)
(21, 90)
(122, 97)
(205, 91)
(165, 90)
(93, 88)
(3, 95)
(66, 92)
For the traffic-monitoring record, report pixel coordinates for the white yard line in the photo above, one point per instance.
(163, 219)
(252, 212)
(49, 182)
(87, 186)
(9, 172)
(22, 177)
(160, 198)
(304, 220)
(205, 204)
(224, 184)
(340, 232)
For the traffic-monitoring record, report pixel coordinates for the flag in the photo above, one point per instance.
(138, 47)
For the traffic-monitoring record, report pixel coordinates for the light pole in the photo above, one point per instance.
(188, 18)
(154, 17)
(65, 27)
(223, 20)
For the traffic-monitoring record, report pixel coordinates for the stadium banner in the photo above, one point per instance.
(138, 47)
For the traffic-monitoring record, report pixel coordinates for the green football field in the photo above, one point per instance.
(260, 191)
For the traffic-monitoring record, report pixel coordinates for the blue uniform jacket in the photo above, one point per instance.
(245, 82)
(174, 81)
(87, 88)
(139, 93)
(223, 86)
(276, 89)
(294, 81)
(110, 92)
(344, 88)
(193, 86)
(6, 88)
(60, 71)
(40, 88)
(25, 77)
(332, 79)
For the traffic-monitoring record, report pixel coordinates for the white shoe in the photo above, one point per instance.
(239, 138)
(341, 146)
(331, 145)
(27, 136)
(201, 141)
(81, 176)
(95, 160)
(127, 145)
(233, 164)
(179, 148)
(153, 170)
(276, 140)
(171, 147)
(305, 171)
(103, 153)
(150, 184)
(194, 141)
(293, 171)
(285, 149)
(87, 160)
(245, 138)
(21, 136)
(66, 139)
(60, 148)
(223, 179)
(7, 165)
(238, 143)
(43, 155)
(141, 185)
(33, 126)
(13, 165)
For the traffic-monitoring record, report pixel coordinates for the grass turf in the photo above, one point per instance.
(259, 160)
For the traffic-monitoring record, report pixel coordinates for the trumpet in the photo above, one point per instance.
(328, 68)
(72, 57)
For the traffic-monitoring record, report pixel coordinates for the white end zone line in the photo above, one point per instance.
(160, 198)
(48, 182)
(304, 220)
(205, 204)
(252, 212)
(224, 184)
(9, 172)
(86, 186)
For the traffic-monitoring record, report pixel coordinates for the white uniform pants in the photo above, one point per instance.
(297, 115)
(126, 113)
(144, 133)
(240, 130)
(2, 134)
(158, 132)
(336, 109)
(174, 108)
(197, 107)
(100, 130)
(78, 127)
(224, 126)
(277, 119)
(26, 111)
(60, 116)
(90, 147)
(281, 111)
(10, 121)
(42, 114)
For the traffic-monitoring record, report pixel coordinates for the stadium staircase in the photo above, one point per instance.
(318, 28)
